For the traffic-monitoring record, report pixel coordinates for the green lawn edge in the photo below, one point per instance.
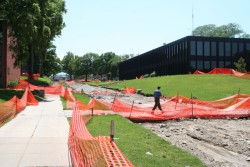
(135, 141)
(204, 87)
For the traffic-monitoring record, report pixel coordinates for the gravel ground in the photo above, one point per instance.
(217, 142)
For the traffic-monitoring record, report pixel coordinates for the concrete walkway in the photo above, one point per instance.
(36, 137)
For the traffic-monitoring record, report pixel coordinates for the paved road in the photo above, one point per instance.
(36, 137)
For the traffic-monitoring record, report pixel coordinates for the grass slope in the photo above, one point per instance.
(6, 95)
(205, 87)
(83, 98)
(135, 141)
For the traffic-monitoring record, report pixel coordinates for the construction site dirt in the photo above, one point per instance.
(217, 142)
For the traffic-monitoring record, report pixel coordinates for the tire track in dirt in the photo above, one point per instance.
(215, 142)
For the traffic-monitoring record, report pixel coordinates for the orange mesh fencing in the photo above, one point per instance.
(226, 71)
(177, 107)
(70, 82)
(55, 89)
(35, 76)
(129, 90)
(70, 99)
(10, 108)
(89, 151)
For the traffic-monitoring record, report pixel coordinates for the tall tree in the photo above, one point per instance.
(114, 66)
(98, 68)
(68, 64)
(52, 63)
(84, 64)
(107, 59)
(33, 25)
(230, 30)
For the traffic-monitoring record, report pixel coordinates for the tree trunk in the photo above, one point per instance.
(31, 61)
(41, 64)
(86, 77)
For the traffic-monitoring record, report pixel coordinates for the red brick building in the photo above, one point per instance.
(8, 72)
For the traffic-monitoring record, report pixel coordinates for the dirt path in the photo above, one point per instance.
(217, 142)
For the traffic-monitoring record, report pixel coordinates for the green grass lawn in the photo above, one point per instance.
(42, 81)
(205, 87)
(135, 141)
(6, 95)
(83, 98)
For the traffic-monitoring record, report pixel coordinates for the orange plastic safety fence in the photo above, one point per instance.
(226, 71)
(55, 89)
(10, 108)
(129, 90)
(88, 151)
(179, 107)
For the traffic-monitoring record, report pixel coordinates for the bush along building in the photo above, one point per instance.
(8, 72)
(187, 55)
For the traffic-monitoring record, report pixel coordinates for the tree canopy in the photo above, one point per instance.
(32, 25)
(231, 30)
(93, 64)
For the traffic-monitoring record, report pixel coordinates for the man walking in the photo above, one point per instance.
(157, 95)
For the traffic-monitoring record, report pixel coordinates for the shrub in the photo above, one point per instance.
(12, 84)
(153, 74)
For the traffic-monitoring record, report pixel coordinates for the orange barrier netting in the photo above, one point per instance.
(177, 107)
(129, 90)
(87, 151)
(12, 107)
(226, 71)
(55, 89)
(70, 99)
(70, 82)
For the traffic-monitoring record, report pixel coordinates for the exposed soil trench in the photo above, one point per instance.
(217, 142)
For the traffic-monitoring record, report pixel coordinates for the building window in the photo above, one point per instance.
(213, 64)
(193, 64)
(228, 64)
(234, 49)
(192, 48)
(248, 47)
(221, 48)
(199, 48)
(200, 65)
(241, 47)
(221, 64)
(207, 65)
(213, 49)
(228, 49)
(206, 48)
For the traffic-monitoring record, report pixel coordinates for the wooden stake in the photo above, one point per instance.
(131, 109)
(112, 131)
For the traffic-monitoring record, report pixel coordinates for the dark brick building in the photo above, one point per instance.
(8, 72)
(186, 55)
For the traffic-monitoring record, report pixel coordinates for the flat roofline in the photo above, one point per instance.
(190, 37)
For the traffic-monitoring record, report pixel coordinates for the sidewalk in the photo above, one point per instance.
(36, 137)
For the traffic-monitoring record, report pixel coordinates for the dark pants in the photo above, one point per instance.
(157, 104)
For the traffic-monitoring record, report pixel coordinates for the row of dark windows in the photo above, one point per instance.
(207, 55)
(186, 55)
(168, 59)
(207, 48)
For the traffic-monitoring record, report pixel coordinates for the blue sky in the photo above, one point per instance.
(137, 26)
